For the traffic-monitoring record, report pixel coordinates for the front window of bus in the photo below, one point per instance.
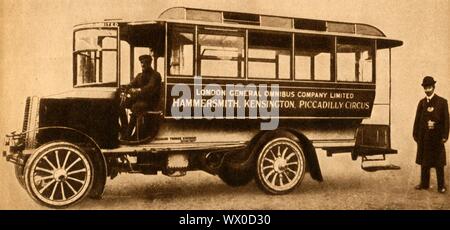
(95, 57)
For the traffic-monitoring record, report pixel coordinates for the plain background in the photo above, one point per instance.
(36, 46)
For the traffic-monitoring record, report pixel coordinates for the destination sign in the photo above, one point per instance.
(288, 101)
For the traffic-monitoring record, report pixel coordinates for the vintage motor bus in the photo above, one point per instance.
(320, 77)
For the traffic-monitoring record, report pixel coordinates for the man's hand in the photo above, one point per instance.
(135, 91)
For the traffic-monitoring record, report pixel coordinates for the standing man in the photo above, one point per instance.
(145, 92)
(431, 129)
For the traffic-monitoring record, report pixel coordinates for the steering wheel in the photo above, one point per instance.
(125, 96)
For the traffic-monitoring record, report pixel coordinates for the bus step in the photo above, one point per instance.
(370, 167)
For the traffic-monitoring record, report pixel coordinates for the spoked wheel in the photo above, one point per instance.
(58, 174)
(280, 166)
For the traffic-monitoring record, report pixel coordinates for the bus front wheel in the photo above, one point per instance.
(59, 174)
(280, 167)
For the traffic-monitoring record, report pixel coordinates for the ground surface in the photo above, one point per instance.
(345, 186)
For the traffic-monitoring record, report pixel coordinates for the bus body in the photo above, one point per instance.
(224, 72)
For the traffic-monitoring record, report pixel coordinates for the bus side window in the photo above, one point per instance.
(223, 50)
(354, 60)
(365, 66)
(269, 55)
(181, 53)
(313, 57)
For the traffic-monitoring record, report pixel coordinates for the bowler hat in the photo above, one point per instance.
(145, 57)
(428, 81)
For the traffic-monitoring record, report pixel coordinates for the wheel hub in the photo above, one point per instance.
(280, 165)
(60, 175)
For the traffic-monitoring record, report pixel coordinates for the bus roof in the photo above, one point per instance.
(270, 22)
(208, 17)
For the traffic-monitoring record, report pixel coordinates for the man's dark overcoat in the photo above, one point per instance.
(431, 125)
(150, 84)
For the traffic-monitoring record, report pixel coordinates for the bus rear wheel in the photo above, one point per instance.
(59, 174)
(280, 167)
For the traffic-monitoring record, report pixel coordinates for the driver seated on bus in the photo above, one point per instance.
(144, 95)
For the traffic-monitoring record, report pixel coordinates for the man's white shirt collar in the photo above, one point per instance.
(430, 97)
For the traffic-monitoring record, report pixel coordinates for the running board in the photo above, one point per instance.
(359, 151)
(173, 147)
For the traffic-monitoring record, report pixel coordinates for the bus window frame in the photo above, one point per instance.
(373, 48)
(183, 28)
(225, 31)
(75, 84)
(332, 68)
(243, 32)
(277, 69)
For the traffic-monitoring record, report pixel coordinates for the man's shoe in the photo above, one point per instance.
(442, 190)
(420, 187)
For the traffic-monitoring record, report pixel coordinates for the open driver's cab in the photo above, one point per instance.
(106, 55)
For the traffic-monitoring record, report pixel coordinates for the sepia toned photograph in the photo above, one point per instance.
(224, 105)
